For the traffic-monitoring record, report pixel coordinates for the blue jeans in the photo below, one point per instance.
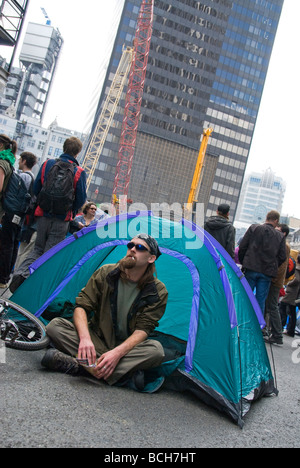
(261, 284)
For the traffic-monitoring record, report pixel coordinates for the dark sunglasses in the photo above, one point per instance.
(139, 247)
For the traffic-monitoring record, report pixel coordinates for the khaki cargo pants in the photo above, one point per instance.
(147, 354)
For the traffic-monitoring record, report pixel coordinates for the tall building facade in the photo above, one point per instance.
(207, 67)
(28, 88)
(261, 192)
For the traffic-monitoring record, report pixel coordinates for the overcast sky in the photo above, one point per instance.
(86, 29)
(276, 137)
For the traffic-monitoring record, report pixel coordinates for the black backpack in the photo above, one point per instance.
(16, 197)
(57, 194)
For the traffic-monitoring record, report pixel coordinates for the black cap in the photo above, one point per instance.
(152, 244)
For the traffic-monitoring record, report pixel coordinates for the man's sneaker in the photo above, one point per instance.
(274, 340)
(134, 380)
(60, 362)
(154, 386)
(3, 285)
(138, 380)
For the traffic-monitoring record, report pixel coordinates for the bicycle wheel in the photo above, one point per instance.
(20, 329)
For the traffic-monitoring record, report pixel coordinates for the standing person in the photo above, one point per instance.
(10, 234)
(60, 188)
(222, 229)
(272, 301)
(28, 233)
(26, 162)
(262, 250)
(288, 305)
(127, 302)
(8, 151)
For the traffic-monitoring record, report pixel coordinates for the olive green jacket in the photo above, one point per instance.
(99, 298)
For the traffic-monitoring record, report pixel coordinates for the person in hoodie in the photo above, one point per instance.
(222, 229)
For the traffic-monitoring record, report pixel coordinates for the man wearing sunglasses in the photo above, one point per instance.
(126, 301)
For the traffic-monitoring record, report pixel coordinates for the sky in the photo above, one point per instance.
(86, 30)
(276, 137)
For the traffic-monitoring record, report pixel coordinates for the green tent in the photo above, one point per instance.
(211, 329)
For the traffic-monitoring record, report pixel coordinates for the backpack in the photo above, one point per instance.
(60, 307)
(291, 268)
(57, 194)
(16, 197)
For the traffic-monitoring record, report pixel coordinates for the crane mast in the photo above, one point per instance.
(133, 102)
(100, 133)
(194, 190)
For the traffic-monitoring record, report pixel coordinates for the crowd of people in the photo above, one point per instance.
(114, 345)
(263, 255)
(24, 237)
(11, 222)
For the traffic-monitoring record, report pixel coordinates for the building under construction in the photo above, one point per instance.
(206, 67)
(12, 14)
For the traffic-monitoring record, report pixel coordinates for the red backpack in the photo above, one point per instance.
(290, 270)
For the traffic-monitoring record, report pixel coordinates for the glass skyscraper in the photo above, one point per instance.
(207, 67)
(260, 193)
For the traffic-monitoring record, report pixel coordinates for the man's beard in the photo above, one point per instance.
(127, 262)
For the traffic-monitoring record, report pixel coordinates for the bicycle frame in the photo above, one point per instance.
(9, 331)
(20, 329)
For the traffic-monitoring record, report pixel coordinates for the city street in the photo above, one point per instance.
(162, 143)
(44, 409)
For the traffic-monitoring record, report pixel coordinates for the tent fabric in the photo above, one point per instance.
(211, 308)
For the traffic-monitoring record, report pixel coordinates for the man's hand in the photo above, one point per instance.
(107, 363)
(86, 350)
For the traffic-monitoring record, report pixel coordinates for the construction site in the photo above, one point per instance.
(163, 132)
(176, 114)
(131, 75)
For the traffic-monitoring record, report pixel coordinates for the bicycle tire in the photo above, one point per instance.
(32, 332)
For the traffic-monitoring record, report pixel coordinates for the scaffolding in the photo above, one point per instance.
(12, 14)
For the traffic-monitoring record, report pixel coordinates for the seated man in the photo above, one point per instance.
(127, 302)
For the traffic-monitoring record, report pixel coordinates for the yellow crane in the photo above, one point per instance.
(194, 191)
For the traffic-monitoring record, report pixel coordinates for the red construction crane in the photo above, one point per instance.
(133, 101)
(106, 117)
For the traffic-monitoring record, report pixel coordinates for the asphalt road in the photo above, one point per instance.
(43, 409)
